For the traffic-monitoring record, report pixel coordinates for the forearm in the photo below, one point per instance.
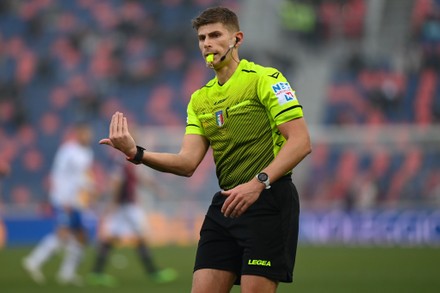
(294, 150)
(292, 153)
(184, 163)
(168, 163)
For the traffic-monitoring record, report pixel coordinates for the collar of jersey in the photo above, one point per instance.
(238, 69)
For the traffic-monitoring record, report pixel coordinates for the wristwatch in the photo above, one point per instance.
(139, 155)
(263, 178)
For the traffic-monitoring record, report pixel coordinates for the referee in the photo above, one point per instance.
(251, 118)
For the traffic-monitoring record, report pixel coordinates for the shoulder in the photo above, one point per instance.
(206, 87)
(73, 148)
(66, 147)
(267, 79)
(260, 70)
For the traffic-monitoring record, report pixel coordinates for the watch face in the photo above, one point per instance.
(262, 177)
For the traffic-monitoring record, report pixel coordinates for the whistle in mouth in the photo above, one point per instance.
(210, 58)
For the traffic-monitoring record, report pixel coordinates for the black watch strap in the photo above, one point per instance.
(139, 155)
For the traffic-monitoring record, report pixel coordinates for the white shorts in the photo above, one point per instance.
(127, 220)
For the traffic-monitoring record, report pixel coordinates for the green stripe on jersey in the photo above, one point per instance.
(240, 120)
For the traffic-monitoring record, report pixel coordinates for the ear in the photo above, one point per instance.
(238, 38)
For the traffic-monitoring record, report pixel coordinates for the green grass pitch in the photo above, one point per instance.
(318, 269)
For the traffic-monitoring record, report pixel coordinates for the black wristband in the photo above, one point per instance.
(139, 155)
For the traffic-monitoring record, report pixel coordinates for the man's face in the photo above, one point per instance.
(84, 135)
(215, 38)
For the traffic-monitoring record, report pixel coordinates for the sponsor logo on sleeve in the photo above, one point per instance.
(283, 92)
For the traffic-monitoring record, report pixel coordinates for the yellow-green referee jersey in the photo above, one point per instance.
(240, 118)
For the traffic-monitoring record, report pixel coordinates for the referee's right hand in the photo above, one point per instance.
(119, 136)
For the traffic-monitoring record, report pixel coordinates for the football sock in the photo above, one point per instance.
(102, 256)
(44, 250)
(72, 258)
(146, 258)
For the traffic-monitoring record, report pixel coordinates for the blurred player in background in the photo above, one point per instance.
(125, 221)
(4, 168)
(4, 171)
(72, 187)
(250, 116)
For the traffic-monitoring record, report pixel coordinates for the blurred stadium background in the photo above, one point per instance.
(366, 72)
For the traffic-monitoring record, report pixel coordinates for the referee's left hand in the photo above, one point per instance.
(240, 198)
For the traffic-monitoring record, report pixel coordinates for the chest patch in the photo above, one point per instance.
(219, 118)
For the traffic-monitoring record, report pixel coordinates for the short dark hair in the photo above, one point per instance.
(217, 14)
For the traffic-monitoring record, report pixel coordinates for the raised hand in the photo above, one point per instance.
(119, 136)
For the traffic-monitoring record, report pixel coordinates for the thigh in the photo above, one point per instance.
(76, 222)
(217, 249)
(135, 218)
(212, 281)
(257, 284)
(62, 218)
(115, 224)
(69, 222)
(77, 226)
(271, 233)
(68, 218)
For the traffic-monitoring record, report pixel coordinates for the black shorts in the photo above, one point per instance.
(262, 241)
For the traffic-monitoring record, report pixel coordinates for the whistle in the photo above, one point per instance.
(210, 58)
